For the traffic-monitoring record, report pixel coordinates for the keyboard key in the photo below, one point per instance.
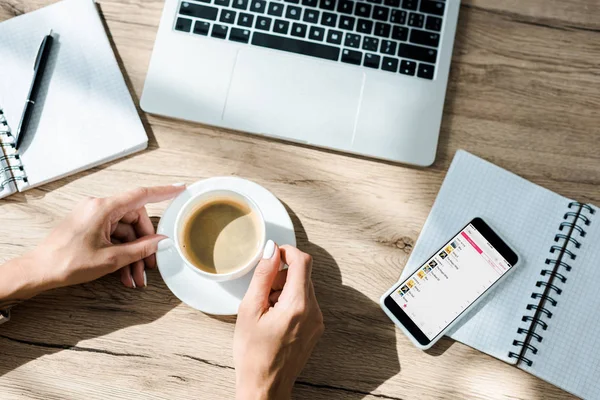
(352, 40)
(400, 33)
(239, 35)
(371, 44)
(416, 20)
(351, 56)
(240, 4)
(299, 30)
(224, 3)
(363, 10)
(408, 67)
(296, 46)
(258, 6)
(183, 24)
(392, 3)
(219, 31)
(425, 38)
(346, 23)
(334, 37)
(311, 16)
(389, 64)
(310, 3)
(432, 7)
(199, 11)
(329, 19)
(201, 28)
(417, 53)
(292, 1)
(263, 23)
(327, 4)
(345, 6)
(364, 26)
(281, 26)
(381, 13)
(425, 71)
(227, 16)
(316, 33)
(398, 17)
(388, 47)
(375, 1)
(371, 60)
(433, 23)
(410, 4)
(382, 29)
(245, 20)
(275, 9)
(293, 12)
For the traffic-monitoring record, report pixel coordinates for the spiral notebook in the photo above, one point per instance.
(545, 317)
(85, 115)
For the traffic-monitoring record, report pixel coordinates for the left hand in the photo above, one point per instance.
(103, 235)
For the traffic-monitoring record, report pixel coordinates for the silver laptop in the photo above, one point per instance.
(363, 77)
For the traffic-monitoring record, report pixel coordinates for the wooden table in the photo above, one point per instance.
(523, 94)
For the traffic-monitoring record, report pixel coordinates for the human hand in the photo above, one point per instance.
(279, 323)
(103, 235)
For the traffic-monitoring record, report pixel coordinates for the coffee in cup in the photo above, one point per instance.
(220, 234)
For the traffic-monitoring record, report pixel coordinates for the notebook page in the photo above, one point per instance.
(86, 115)
(568, 355)
(526, 215)
(7, 186)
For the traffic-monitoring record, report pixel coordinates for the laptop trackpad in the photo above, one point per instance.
(292, 97)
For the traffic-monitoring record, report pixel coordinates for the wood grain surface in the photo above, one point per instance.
(523, 93)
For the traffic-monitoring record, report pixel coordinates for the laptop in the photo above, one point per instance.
(363, 77)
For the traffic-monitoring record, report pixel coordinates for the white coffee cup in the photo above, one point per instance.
(206, 197)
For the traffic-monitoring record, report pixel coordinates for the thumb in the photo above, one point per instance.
(257, 296)
(124, 254)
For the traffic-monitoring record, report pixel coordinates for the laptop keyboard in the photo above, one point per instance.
(397, 36)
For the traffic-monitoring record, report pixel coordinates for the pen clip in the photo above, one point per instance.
(39, 53)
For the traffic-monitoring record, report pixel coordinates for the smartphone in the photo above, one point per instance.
(449, 283)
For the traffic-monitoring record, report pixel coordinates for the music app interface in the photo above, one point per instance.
(450, 281)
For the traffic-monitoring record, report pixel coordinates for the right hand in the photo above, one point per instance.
(278, 325)
(101, 236)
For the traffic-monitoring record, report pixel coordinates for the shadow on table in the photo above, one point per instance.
(60, 319)
(357, 352)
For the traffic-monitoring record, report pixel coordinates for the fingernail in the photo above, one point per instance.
(164, 244)
(132, 281)
(145, 279)
(283, 266)
(269, 249)
(179, 184)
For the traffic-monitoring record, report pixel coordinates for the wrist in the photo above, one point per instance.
(22, 279)
(263, 389)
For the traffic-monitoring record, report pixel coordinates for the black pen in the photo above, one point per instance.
(38, 73)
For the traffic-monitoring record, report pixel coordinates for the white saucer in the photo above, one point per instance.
(219, 298)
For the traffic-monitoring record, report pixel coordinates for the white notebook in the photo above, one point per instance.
(85, 115)
(558, 240)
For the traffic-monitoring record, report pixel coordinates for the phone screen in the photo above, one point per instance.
(450, 281)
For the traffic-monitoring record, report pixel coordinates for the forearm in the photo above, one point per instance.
(21, 279)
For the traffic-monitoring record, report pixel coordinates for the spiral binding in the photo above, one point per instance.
(556, 276)
(582, 205)
(10, 161)
(570, 225)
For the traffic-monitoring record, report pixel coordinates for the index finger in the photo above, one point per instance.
(137, 198)
(299, 267)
